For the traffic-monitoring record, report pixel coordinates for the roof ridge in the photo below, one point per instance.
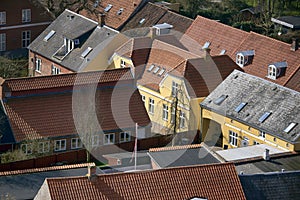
(81, 16)
(45, 169)
(190, 146)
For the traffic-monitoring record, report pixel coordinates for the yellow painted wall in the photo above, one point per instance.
(244, 131)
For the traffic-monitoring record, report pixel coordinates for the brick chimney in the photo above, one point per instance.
(92, 176)
(295, 44)
(101, 18)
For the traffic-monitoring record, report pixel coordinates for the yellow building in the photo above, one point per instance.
(246, 110)
(172, 81)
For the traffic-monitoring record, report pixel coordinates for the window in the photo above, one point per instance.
(223, 51)
(95, 140)
(60, 145)
(182, 119)
(26, 148)
(25, 38)
(109, 138)
(165, 112)
(108, 7)
(272, 72)
(174, 88)
(76, 143)
(44, 147)
(151, 106)
(240, 107)
(240, 60)
(173, 115)
(26, 15)
(123, 64)
(255, 143)
(290, 127)
(143, 98)
(124, 137)
(38, 65)
(262, 134)
(156, 70)
(49, 35)
(264, 117)
(233, 138)
(2, 18)
(55, 70)
(220, 100)
(2, 42)
(243, 57)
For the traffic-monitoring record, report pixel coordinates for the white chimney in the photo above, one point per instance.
(266, 155)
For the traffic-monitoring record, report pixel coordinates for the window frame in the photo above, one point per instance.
(233, 138)
(60, 145)
(175, 87)
(2, 42)
(78, 143)
(151, 105)
(182, 119)
(122, 63)
(2, 18)
(38, 65)
(26, 15)
(127, 136)
(165, 114)
(262, 134)
(26, 38)
(272, 72)
(55, 70)
(45, 145)
(106, 140)
(28, 149)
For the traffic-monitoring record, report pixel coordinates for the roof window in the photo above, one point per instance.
(206, 45)
(151, 67)
(220, 100)
(156, 70)
(240, 107)
(244, 57)
(276, 70)
(264, 117)
(120, 11)
(290, 127)
(49, 35)
(223, 51)
(142, 21)
(86, 52)
(108, 7)
(161, 72)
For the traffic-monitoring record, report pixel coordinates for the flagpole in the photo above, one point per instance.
(135, 147)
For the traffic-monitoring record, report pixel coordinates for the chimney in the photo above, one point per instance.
(92, 176)
(266, 155)
(101, 19)
(295, 44)
(152, 32)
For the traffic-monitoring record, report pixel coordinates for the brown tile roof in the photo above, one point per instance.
(268, 51)
(155, 14)
(294, 82)
(219, 35)
(190, 146)
(45, 169)
(50, 113)
(112, 18)
(218, 181)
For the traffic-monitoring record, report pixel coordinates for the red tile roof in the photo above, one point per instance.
(218, 181)
(112, 18)
(51, 113)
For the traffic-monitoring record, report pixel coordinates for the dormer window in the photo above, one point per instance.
(244, 57)
(63, 51)
(120, 11)
(276, 70)
(163, 28)
(108, 7)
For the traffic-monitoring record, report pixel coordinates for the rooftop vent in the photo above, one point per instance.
(120, 11)
(49, 35)
(266, 155)
(108, 7)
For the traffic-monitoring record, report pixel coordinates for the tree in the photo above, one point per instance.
(12, 68)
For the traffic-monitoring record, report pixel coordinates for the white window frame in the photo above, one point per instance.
(272, 72)
(76, 143)
(38, 65)
(173, 112)
(182, 119)
(143, 98)
(44, 147)
(174, 88)
(55, 70)
(108, 138)
(2, 42)
(26, 15)
(69, 45)
(26, 148)
(2, 17)
(151, 105)
(122, 63)
(60, 145)
(165, 114)
(126, 136)
(26, 36)
(95, 140)
(240, 60)
(233, 138)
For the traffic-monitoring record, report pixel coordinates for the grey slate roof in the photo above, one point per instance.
(72, 26)
(182, 157)
(288, 21)
(271, 186)
(261, 96)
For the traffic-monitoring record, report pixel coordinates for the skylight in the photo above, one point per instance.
(240, 107)
(108, 7)
(96, 3)
(86, 52)
(264, 117)
(142, 20)
(150, 68)
(223, 52)
(156, 70)
(49, 35)
(206, 45)
(161, 72)
(220, 100)
(290, 127)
